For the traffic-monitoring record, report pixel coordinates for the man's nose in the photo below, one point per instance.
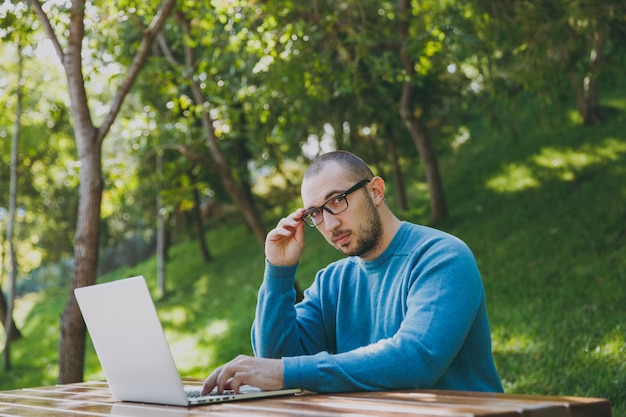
(331, 220)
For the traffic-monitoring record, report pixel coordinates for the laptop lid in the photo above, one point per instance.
(130, 343)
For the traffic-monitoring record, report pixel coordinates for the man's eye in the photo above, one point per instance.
(337, 201)
(315, 213)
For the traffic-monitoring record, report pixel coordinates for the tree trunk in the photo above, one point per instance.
(161, 252)
(161, 234)
(415, 126)
(584, 86)
(592, 109)
(586, 97)
(249, 212)
(397, 172)
(197, 220)
(72, 337)
(15, 332)
(8, 322)
(438, 207)
(89, 144)
(72, 340)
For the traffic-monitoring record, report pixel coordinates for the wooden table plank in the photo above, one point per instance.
(93, 399)
(576, 406)
(316, 405)
(451, 405)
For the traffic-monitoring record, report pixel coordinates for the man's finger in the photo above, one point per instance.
(227, 372)
(210, 382)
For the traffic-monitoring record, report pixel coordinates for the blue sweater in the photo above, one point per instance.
(414, 317)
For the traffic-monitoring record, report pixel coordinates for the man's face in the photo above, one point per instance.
(354, 232)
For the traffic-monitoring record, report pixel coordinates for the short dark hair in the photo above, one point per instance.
(355, 167)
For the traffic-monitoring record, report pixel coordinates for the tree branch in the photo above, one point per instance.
(47, 26)
(148, 36)
(191, 155)
(167, 52)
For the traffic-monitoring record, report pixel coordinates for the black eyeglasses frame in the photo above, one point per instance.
(343, 195)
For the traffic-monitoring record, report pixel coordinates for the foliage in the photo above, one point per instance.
(47, 175)
(544, 217)
(282, 80)
(558, 50)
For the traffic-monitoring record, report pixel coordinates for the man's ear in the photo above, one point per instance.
(376, 188)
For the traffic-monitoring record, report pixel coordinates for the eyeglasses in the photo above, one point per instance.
(334, 205)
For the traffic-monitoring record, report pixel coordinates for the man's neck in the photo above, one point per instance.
(391, 225)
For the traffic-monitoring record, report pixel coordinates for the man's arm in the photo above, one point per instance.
(277, 330)
(283, 248)
(275, 334)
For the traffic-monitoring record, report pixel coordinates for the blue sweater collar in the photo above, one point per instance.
(383, 258)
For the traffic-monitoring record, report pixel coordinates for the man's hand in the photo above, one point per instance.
(266, 374)
(284, 244)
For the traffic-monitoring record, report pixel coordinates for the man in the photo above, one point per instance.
(405, 309)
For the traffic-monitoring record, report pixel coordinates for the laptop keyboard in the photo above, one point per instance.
(193, 393)
(196, 393)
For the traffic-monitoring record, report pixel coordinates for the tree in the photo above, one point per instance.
(15, 30)
(14, 330)
(45, 175)
(363, 62)
(219, 161)
(161, 234)
(553, 47)
(9, 323)
(89, 138)
(414, 124)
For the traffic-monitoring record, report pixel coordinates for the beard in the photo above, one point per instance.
(369, 234)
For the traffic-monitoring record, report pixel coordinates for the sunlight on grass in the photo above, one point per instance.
(35, 354)
(553, 163)
(613, 345)
(564, 163)
(515, 177)
(196, 351)
(32, 316)
(95, 374)
(176, 316)
(217, 329)
(504, 342)
(23, 307)
(509, 350)
(575, 117)
(421, 187)
(192, 358)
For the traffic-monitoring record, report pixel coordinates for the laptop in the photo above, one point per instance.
(137, 362)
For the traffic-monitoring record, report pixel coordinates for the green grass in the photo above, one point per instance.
(544, 214)
(546, 218)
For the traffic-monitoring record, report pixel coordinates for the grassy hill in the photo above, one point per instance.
(544, 212)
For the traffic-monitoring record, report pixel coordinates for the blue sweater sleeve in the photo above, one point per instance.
(278, 330)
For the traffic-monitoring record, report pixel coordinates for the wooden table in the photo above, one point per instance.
(94, 399)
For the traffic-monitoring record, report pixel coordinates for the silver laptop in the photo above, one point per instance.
(131, 346)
